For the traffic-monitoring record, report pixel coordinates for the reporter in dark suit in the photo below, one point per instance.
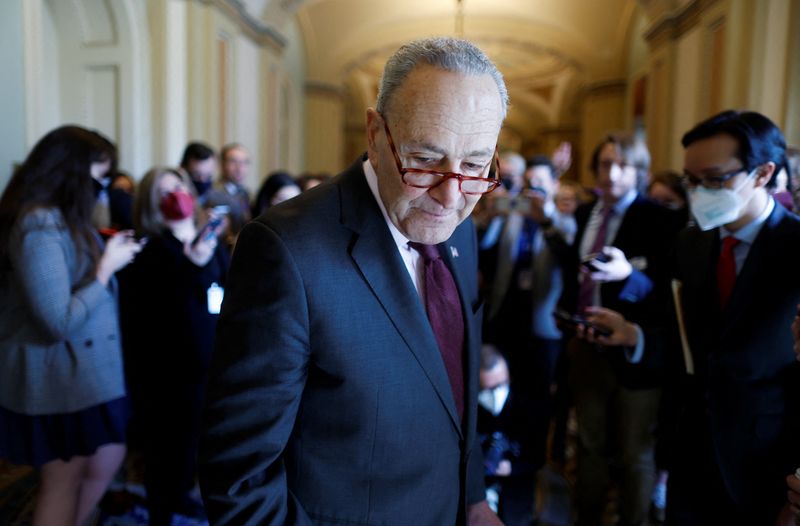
(738, 431)
(616, 401)
(329, 399)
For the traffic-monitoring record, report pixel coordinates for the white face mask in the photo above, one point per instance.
(493, 400)
(713, 208)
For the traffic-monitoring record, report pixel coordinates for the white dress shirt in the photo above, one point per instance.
(414, 264)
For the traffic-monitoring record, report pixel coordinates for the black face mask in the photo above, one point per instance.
(201, 186)
(507, 183)
(98, 187)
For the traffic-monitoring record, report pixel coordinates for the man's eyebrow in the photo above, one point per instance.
(426, 146)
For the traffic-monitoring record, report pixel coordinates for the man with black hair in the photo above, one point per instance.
(738, 428)
(200, 163)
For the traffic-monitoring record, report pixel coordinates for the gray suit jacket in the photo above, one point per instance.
(59, 346)
(328, 400)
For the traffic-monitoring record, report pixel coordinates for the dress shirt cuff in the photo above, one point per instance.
(634, 354)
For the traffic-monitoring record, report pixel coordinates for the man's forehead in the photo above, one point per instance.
(439, 92)
(713, 150)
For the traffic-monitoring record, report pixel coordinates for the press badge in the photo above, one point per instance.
(215, 293)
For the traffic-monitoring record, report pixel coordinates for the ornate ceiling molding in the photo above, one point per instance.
(262, 33)
(672, 25)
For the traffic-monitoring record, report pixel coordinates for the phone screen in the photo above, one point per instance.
(572, 321)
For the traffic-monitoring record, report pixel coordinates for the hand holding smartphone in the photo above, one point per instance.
(573, 321)
(588, 262)
(209, 230)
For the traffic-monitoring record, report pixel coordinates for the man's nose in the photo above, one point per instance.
(615, 172)
(447, 193)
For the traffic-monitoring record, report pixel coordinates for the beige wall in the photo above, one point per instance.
(155, 74)
(603, 112)
(728, 54)
(325, 129)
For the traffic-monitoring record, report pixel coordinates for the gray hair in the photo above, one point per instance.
(447, 53)
(512, 162)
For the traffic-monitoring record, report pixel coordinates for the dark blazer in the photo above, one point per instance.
(328, 400)
(747, 379)
(646, 235)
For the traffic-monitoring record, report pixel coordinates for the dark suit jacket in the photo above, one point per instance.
(328, 399)
(747, 379)
(646, 234)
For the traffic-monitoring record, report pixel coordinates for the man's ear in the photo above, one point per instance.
(374, 125)
(764, 174)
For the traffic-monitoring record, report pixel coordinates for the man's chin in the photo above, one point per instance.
(430, 236)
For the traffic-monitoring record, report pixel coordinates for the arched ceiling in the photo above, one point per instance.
(546, 49)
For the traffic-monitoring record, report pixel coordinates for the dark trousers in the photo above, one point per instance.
(517, 499)
(615, 430)
(532, 364)
(170, 451)
(696, 492)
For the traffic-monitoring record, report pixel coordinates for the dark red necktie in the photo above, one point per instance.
(726, 270)
(586, 290)
(444, 312)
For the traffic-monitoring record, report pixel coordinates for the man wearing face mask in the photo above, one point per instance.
(506, 435)
(738, 430)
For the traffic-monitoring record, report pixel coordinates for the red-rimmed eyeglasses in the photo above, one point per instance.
(467, 184)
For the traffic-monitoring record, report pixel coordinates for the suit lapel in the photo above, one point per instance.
(748, 280)
(451, 251)
(375, 254)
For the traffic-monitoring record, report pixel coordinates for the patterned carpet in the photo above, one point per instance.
(123, 504)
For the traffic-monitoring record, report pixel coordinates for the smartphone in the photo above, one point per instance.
(517, 203)
(572, 321)
(209, 229)
(588, 261)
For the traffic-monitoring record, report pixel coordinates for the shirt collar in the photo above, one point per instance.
(622, 205)
(372, 181)
(749, 232)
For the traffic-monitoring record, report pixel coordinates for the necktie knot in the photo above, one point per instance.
(428, 252)
(729, 243)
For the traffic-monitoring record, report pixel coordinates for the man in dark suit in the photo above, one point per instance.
(738, 431)
(616, 400)
(334, 397)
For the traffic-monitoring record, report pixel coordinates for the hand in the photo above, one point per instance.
(537, 206)
(481, 514)
(796, 334)
(562, 157)
(503, 468)
(617, 268)
(787, 517)
(623, 332)
(793, 494)
(120, 250)
(201, 252)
